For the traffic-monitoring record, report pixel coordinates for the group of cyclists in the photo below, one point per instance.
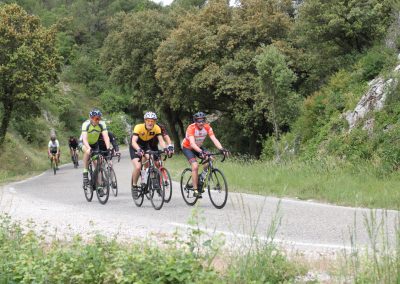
(149, 135)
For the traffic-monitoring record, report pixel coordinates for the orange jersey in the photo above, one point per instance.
(198, 134)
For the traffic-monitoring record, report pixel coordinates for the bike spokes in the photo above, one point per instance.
(217, 188)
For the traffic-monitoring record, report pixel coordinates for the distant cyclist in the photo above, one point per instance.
(73, 146)
(140, 142)
(196, 133)
(54, 149)
(91, 131)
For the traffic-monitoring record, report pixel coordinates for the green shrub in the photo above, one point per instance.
(118, 123)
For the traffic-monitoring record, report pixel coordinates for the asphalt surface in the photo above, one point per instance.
(58, 202)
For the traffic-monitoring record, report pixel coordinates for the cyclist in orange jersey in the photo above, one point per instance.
(196, 133)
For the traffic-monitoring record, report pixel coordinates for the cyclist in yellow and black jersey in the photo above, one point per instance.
(141, 141)
(91, 131)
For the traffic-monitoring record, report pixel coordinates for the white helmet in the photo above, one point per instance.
(150, 115)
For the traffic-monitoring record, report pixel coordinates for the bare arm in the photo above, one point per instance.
(167, 140)
(106, 139)
(85, 140)
(161, 141)
(216, 142)
(134, 143)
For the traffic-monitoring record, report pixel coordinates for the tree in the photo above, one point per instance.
(207, 62)
(276, 95)
(331, 33)
(28, 61)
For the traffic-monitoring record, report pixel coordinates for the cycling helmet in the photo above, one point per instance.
(94, 112)
(150, 115)
(199, 115)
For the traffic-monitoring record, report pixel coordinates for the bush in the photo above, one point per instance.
(119, 125)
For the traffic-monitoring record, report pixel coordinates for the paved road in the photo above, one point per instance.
(59, 202)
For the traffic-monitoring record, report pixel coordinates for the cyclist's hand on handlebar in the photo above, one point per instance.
(140, 153)
(225, 152)
(171, 149)
(203, 155)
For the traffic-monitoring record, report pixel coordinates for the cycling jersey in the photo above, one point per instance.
(93, 132)
(198, 134)
(53, 146)
(144, 135)
(154, 141)
(72, 143)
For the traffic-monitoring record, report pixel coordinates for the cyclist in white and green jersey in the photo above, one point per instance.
(91, 130)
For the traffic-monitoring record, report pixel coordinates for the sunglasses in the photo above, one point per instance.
(150, 120)
(200, 121)
(96, 118)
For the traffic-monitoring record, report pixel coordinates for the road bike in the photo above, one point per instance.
(53, 162)
(152, 183)
(113, 177)
(74, 158)
(214, 181)
(99, 177)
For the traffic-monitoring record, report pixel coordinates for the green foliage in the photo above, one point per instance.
(119, 124)
(28, 61)
(374, 61)
(333, 32)
(276, 95)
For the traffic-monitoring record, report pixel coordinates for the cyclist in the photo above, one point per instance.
(113, 141)
(140, 142)
(165, 136)
(54, 149)
(196, 133)
(73, 146)
(91, 131)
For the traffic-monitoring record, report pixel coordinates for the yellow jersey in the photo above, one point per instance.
(144, 134)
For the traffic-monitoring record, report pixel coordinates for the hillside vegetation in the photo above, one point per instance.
(278, 78)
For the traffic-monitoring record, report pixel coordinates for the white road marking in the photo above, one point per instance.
(275, 240)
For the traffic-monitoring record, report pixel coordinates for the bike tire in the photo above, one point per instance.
(139, 200)
(54, 167)
(167, 184)
(217, 188)
(75, 160)
(103, 189)
(186, 190)
(113, 183)
(88, 189)
(157, 191)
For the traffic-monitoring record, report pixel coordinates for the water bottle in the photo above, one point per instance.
(144, 173)
(201, 178)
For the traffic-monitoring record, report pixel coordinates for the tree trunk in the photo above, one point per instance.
(181, 127)
(276, 131)
(172, 120)
(5, 121)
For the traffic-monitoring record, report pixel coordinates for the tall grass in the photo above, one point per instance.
(380, 261)
(326, 180)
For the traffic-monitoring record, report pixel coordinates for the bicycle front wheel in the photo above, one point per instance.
(157, 191)
(88, 189)
(54, 165)
(217, 189)
(103, 185)
(113, 182)
(187, 187)
(137, 195)
(167, 184)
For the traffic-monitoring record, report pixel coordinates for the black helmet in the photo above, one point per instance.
(199, 115)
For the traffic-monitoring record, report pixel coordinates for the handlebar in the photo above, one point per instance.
(209, 155)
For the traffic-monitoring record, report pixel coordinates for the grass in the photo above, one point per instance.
(327, 180)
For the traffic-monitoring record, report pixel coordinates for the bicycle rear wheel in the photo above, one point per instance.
(88, 189)
(157, 191)
(102, 184)
(217, 188)
(113, 182)
(167, 184)
(187, 187)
